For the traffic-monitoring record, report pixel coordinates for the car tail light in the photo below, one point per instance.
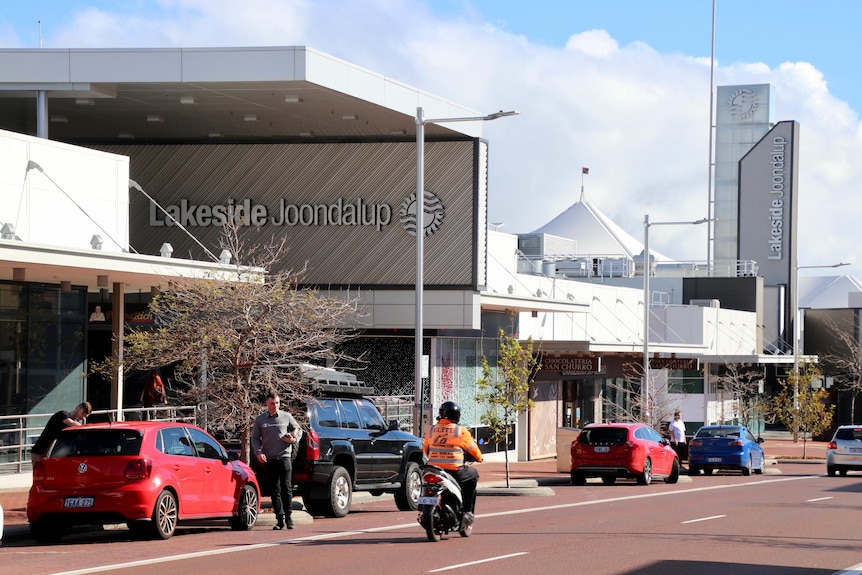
(312, 446)
(736, 443)
(695, 442)
(830, 445)
(39, 471)
(139, 469)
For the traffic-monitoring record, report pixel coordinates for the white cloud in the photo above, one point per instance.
(593, 43)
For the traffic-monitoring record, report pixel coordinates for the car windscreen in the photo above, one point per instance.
(718, 432)
(604, 436)
(94, 442)
(849, 434)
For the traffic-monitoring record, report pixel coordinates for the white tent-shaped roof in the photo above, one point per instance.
(594, 233)
(827, 292)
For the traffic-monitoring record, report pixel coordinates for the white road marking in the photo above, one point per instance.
(413, 525)
(458, 566)
(704, 519)
(854, 570)
(818, 499)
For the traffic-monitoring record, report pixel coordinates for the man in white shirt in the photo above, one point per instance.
(677, 435)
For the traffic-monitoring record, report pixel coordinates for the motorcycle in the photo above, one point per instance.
(441, 508)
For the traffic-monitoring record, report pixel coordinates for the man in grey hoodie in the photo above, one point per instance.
(274, 434)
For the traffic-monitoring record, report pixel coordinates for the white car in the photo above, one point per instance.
(844, 452)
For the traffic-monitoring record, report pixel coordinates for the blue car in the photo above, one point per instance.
(724, 447)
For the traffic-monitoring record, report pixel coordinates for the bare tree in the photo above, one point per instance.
(652, 404)
(232, 336)
(844, 362)
(745, 384)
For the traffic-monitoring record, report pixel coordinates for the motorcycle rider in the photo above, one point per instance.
(445, 445)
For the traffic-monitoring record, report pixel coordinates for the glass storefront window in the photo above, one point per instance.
(42, 348)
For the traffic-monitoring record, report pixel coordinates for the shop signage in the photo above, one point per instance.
(572, 365)
(689, 363)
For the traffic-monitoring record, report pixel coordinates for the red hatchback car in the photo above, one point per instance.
(147, 474)
(629, 450)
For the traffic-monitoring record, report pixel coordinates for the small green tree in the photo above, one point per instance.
(802, 408)
(505, 389)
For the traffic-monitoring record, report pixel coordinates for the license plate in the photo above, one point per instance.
(428, 501)
(854, 449)
(79, 502)
(601, 449)
(713, 459)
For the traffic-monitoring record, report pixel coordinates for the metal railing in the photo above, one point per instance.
(19, 432)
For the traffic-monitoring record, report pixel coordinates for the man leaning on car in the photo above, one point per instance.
(58, 422)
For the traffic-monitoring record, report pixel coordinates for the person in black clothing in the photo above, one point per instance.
(272, 438)
(58, 422)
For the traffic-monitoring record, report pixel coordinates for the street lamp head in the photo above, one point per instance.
(704, 220)
(501, 114)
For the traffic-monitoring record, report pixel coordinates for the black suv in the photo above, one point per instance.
(348, 447)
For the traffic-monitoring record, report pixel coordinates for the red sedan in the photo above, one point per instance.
(147, 474)
(628, 450)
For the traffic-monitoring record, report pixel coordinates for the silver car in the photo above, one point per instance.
(844, 452)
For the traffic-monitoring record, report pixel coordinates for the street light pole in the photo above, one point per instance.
(419, 206)
(645, 381)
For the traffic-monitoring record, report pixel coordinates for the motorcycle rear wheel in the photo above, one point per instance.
(431, 527)
(466, 531)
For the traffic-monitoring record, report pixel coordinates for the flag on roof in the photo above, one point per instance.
(585, 170)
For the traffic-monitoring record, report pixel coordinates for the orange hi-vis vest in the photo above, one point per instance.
(446, 443)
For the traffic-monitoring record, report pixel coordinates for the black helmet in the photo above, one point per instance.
(451, 411)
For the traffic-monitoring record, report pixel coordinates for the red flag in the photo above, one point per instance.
(585, 170)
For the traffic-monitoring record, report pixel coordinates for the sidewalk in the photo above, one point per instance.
(524, 475)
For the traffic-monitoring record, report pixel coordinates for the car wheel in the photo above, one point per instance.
(165, 515)
(246, 515)
(674, 473)
(609, 479)
(578, 478)
(831, 471)
(747, 469)
(340, 494)
(693, 470)
(707, 470)
(843, 472)
(407, 496)
(645, 476)
(46, 532)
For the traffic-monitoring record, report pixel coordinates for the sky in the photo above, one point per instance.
(621, 87)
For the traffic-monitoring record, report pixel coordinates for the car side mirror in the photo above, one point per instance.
(759, 440)
(394, 425)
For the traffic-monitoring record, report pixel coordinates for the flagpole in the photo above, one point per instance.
(584, 171)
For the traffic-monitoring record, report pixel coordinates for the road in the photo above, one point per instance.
(794, 522)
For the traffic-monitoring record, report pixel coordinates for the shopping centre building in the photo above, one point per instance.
(101, 145)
